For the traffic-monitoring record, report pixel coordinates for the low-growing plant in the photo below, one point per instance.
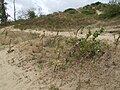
(34, 35)
(10, 47)
(5, 33)
(85, 47)
(71, 11)
(50, 42)
(42, 39)
(53, 88)
(58, 50)
(116, 41)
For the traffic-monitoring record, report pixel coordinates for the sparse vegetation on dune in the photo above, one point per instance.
(65, 60)
(56, 21)
(57, 58)
(73, 18)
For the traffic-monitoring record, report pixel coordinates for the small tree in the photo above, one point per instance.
(31, 13)
(3, 15)
(28, 14)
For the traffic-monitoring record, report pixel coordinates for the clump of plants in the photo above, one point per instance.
(71, 11)
(80, 49)
(53, 88)
(85, 47)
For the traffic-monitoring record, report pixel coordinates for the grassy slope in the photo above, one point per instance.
(69, 19)
(58, 20)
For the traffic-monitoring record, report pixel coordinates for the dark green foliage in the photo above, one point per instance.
(71, 11)
(53, 88)
(3, 15)
(31, 14)
(96, 3)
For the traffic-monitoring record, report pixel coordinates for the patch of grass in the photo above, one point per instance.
(53, 88)
(16, 37)
(50, 42)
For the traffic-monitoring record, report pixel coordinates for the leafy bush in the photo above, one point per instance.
(53, 88)
(85, 47)
(71, 11)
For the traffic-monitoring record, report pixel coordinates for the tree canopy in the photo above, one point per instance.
(3, 15)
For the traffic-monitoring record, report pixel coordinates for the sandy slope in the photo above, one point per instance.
(13, 77)
(106, 36)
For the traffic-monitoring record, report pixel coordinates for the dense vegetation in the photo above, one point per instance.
(3, 14)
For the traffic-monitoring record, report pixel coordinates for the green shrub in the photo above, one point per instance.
(111, 10)
(53, 88)
(71, 11)
(85, 47)
(31, 14)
